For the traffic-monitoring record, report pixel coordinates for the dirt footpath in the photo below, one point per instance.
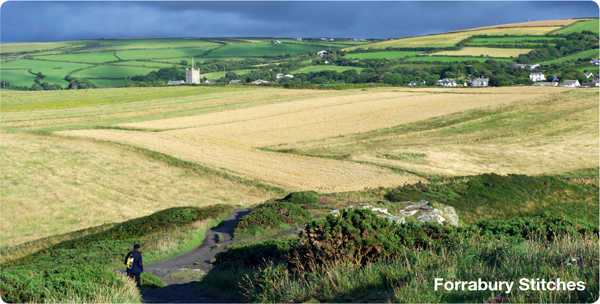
(181, 272)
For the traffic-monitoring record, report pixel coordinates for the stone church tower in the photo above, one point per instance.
(192, 75)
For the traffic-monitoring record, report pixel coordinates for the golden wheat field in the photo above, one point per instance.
(563, 22)
(229, 140)
(450, 39)
(485, 51)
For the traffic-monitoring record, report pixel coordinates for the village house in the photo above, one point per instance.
(537, 77)
(534, 66)
(588, 74)
(546, 84)
(275, 42)
(519, 66)
(590, 84)
(330, 40)
(595, 61)
(414, 83)
(480, 82)
(447, 82)
(298, 39)
(321, 53)
(259, 81)
(235, 81)
(209, 81)
(175, 82)
(554, 78)
(279, 75)
(323, 39)
(570, 83)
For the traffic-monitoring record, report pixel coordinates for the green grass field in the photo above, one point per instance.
(196, 59)
(263, 49)
(146, 64)
(166, 53)
(127, 44)
(112, 71)
(398, 54)
(318, 68)
(589, 53)
(217, 75)
(110, 83)
(39, 46)
(17, 77)
(453, 59)
(55, 72)
(513, 39)
(98, 57)
(577, 27)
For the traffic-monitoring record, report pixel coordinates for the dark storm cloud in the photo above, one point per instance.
(55, 21)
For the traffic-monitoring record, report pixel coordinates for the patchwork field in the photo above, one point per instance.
(229, 139)
(17, 77)
(146, 64)
(166, 53)
(318, 68)
(450, 39)
(454, 59)
(492, 52)
(112, 71)
(55, 72)
(383, 55)
(542, 134)
(588, 25)
(513, 39)
(585, 54)
(110, 83)
(39, 46)
(97, 57)
(263, 49)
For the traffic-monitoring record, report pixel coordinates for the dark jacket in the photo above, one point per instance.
(138, 266)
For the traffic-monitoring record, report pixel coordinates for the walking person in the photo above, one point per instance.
(133, 262)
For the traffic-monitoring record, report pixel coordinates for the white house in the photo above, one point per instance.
(279, 75)
(595, 61)
(480, 82)
(414, 83)
(330, 40)
(323, 52)
(175, 82)
(275, 41)
(570, 83)
(534, 66)
(588, 74)
(209, 82)
(447, 82)
(259, 81)
(546, 84)
(537, 76)
(235, 81)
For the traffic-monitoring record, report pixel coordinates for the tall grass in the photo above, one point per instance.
(410, 277)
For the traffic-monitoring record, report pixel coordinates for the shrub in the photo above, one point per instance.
(272, 215)
(301, 198)
(261, 254)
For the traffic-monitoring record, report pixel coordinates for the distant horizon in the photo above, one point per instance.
(52, 21)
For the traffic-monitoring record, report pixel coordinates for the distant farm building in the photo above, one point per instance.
(480, 82)
(330, 40)
(519, 66)
(321, 53)
(533, 66)
(175, 82)
(259, 81)
(279, 75)
(235, 81)
(546, 84)
(570, 83)
(588, 74)
(423, 54)
(209, 82)
(590, 84)
(414, 83)
(275, 41)
(447, 82)
(537, 77)
(298, 39)
(595, 61)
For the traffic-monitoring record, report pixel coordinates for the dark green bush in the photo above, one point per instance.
(359, 236)
(272, 215)
(301, 198)
(254, 255)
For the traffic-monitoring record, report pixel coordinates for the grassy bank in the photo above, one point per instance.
(80, 268)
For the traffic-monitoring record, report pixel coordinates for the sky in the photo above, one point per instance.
(42, 21)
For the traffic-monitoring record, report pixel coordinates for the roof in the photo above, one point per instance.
(537, 74)
(176, 82)
(570, 81)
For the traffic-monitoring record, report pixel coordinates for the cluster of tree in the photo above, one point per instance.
(574, 43)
